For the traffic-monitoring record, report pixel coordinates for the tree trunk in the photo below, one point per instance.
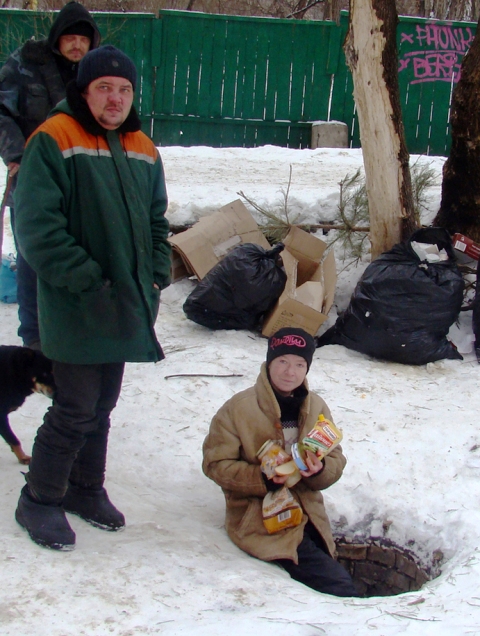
(331, 10)
(371, 53)
(460, 204)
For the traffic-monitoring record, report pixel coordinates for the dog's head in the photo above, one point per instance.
(42, 375)
(46, 389)
(38, 368)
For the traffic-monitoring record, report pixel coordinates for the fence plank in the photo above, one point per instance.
(322, 79)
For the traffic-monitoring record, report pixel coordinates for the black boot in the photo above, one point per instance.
(46, 523)
(477, 351)
(92, 504)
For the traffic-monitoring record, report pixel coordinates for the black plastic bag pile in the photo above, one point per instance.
(476, 314)
(239, 290)
(402, 307)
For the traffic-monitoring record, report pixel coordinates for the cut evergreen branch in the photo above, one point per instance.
(423, 177)
(353, 217)
(353, 220)
(353, 213)
(278, 221)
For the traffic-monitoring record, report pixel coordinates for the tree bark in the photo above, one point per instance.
(331, 10)
(371, 53)
(460, 204)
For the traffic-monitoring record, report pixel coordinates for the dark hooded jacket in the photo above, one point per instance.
(33, 80)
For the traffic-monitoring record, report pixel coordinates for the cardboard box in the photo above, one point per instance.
(310, 288)
(467, 246)
(197, 250)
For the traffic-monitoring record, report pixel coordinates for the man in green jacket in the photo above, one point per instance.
(91, 203)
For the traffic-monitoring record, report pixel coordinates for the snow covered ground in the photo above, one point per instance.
(411, 437)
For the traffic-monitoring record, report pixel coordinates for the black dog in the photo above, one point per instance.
(22, 371)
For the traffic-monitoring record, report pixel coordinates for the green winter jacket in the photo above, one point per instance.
(90, 218)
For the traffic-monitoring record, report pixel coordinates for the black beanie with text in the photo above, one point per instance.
(291, 341)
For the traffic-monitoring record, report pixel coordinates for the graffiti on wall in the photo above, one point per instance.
(433, 52)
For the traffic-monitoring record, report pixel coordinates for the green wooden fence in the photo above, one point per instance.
(235, 81)
(243, 81)
(430, 55)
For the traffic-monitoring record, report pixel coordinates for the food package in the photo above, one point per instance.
(271, 455)
(323, 437)
(280, 510)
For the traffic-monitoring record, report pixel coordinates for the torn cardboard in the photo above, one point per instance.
(310, 288)
(197, 250)
(465, 245)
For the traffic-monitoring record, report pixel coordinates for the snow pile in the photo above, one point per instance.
(410, 435)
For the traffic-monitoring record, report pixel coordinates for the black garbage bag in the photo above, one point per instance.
(476, 314)
(402, 307)
(239, 289)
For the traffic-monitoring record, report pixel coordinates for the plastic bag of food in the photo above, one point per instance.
(274, 460)
(280, 510)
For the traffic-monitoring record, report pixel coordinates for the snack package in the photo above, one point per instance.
(280, 510)
(323, 437)
(271, 455)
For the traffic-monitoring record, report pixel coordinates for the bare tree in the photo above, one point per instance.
(460, 204)
(371, 54)
(453, 9)
(294, 9)
(331, 10)
(302, 6)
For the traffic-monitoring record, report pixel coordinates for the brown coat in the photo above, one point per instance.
(237, 431)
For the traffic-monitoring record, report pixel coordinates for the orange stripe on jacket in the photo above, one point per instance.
(72, 138)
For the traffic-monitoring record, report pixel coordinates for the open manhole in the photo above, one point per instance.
(381, 568)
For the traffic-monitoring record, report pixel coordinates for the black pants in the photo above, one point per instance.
(71, 444)
(317, 569)
(26, 295)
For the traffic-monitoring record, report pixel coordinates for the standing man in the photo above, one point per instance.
(90, 205)
(32, 82)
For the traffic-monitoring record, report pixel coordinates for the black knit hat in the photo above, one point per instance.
(103, 62)
(80, 28)
(291, 341)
